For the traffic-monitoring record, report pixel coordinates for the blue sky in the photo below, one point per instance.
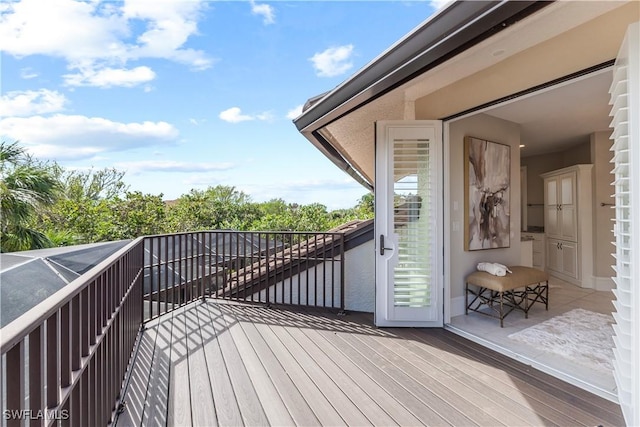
(186, 94)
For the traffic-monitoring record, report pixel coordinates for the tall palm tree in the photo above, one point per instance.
(25, 186)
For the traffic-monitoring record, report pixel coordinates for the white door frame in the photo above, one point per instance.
(406, 316)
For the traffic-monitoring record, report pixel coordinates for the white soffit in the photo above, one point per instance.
(549, 22)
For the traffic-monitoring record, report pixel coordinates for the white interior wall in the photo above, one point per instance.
(464, 262)
(603, 216)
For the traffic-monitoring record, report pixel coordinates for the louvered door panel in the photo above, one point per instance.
(625, 95)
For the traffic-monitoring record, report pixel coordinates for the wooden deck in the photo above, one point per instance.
(215, 363)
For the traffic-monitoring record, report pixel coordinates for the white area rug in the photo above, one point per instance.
(580, 335)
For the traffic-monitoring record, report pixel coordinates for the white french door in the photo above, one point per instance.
(408, 211)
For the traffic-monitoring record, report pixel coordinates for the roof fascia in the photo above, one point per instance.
(325, 147)
(444, 35)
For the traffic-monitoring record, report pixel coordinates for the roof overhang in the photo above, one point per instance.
(449, 32)
(467, 55)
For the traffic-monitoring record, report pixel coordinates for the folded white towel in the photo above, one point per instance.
(504, 267)
(493, 268)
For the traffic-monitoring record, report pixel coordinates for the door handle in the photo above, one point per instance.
(382, 248)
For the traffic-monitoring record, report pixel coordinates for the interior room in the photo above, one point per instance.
(549, 132)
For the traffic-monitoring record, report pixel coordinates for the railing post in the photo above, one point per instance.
(36, 374)
(65, 345)
(202, 257)
(15, 383)
(53, 387)
(342, 278)
(268, 283)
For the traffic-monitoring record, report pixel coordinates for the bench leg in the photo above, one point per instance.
(546, 295)
(501, 310)
(466, 298)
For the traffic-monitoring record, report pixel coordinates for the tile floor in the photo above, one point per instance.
(563, 297)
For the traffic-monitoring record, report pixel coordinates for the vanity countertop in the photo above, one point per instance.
(534, 229)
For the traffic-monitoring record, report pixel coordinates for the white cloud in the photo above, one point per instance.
(108, 77)
(171, 166)
(333, 61)
(27, 73)
(235, 115)
(266, 11)
(102, 35)
(75, 137)
(27, 103)
(295, 112)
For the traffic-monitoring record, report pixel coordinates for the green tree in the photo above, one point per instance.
(137, 215)
(219, 207)
(83, 213)
(366, 206)
(274, 215)
(91, 184)
(26, 186)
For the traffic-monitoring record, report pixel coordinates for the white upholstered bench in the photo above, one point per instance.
(519, 289)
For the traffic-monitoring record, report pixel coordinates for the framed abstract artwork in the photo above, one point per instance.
(487, 181)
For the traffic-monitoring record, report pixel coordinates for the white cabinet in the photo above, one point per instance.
(538, 249)
(563, 257)
(568, 212)
(560, 206)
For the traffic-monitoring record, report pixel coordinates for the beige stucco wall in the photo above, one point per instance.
(492, 129)
(603, 215)
(592, 43)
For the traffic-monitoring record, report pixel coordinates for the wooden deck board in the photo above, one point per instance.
(246, 397)
(228, 364)
(296, 404)
(504, 402)
(442, 394)
(370, 409)
(155, 408)
(138, 382)
(336, 396)
(179, 405)
(202, 407)
(511, 392)
(273, 405)
(582, 402)
(226, 404)
(321, 407)
(419, 409)
(387, 402)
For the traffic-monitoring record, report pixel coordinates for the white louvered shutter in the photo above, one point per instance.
(625, 97)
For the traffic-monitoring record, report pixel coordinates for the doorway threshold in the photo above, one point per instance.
(598, 391)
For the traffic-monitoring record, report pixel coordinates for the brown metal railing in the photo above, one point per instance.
(64, 361)
(263, 267)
